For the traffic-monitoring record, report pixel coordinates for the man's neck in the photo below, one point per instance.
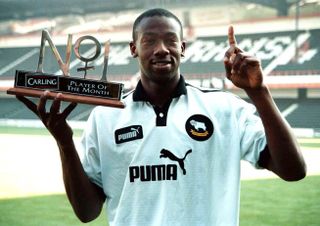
(159, 94)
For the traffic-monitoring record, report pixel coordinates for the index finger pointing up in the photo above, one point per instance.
(231, 37)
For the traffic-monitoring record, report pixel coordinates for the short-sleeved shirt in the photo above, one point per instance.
(175, 165)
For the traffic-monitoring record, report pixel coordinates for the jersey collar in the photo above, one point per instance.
(139, 92)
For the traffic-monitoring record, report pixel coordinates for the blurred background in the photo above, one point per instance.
(284, 34)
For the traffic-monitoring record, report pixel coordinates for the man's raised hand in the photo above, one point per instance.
(242, 69)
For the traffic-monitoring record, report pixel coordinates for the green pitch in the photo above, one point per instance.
(53, 210)
(278, 203)
(268, 202)
(271, 202)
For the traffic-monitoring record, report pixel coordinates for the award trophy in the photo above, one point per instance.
(73, 89)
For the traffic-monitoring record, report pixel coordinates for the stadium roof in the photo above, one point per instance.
(24, 9)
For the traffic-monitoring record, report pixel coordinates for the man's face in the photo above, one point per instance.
(159, 47)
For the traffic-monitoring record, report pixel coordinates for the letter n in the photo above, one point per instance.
(63, 66)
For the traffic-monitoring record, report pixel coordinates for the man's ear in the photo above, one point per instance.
(183, 48)
(133, 49)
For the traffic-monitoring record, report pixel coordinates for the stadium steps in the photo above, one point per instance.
(304, 113)
(307, 115)
(11, 108)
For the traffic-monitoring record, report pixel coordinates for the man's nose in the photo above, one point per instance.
(161, 49)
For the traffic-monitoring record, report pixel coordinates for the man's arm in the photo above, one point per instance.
(85, 197)
(283, 155)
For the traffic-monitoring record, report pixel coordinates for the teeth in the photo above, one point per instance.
(162, 62)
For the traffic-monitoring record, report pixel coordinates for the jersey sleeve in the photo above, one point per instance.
(90, 157)
(252, 134)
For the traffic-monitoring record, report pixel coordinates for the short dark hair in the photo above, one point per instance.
(152, 13)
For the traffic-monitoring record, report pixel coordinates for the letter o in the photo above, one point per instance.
(77, 45)
(101, 86)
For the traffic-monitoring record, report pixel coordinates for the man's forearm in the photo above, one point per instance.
(285, 156)
(85, 197)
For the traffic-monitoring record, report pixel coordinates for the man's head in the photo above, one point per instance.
(152, 13)
(158, 46)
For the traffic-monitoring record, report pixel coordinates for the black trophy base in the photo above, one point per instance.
(67, 97)
(78, 90)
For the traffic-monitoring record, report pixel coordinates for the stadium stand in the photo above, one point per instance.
(14, 109)
(300, 113)
(203, 56)
(282, 50)
(306, 115)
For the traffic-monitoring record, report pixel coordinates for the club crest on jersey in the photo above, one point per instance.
(199, 127)
(127, 134)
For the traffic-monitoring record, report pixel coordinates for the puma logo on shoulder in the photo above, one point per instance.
(164, 153)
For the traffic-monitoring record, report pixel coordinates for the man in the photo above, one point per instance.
(172, 156)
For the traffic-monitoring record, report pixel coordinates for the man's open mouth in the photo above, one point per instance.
(161, 62)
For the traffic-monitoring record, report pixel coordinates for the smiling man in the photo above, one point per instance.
(158, 44)
(172, 156)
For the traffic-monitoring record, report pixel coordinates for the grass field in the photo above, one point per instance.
(52, 210)
(270, 202)
(264, 202)
(275, 202)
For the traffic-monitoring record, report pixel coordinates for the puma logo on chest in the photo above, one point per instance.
(164, 153)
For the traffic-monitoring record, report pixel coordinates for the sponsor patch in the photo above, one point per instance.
(127, 134)
(199, 127)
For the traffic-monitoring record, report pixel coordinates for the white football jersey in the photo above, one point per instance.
(176, 165)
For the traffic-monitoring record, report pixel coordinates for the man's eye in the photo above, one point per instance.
(171, 42)
(149, 41)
